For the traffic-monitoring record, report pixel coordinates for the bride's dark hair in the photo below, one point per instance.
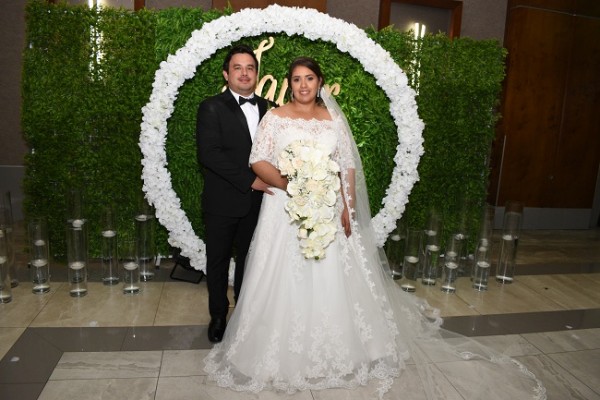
(311, 64)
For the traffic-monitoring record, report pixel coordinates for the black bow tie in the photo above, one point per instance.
(251, 100)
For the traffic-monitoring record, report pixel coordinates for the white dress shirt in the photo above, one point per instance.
(250, 111)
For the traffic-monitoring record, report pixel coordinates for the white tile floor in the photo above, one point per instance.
(568, 373)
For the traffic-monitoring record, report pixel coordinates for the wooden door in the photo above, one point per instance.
(547, 149)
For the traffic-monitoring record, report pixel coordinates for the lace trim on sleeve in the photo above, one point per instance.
(263, 145)
(344, 150)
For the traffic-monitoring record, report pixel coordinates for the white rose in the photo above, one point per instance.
(293, 189)
(320, 174)
(330, 198)
(297, 163)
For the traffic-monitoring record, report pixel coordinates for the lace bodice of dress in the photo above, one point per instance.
(275, 133)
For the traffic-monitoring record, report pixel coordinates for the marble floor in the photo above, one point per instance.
(150, 346)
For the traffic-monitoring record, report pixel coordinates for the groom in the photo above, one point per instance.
(232, 194)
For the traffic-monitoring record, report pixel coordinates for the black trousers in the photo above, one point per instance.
(222, 235)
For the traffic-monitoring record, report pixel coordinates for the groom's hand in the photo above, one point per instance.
(258, 184)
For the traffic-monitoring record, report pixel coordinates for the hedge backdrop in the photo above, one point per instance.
(88, 72)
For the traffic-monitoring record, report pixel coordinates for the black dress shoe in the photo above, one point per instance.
(216, 329)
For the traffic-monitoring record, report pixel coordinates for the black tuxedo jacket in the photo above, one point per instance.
(223, 145)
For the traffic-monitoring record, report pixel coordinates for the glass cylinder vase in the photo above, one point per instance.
(481, 265)
(6, 220)
(144, 233)
(77, 258)
(5, 287)
(410, 263)
(486, 229)
(511, 229)
(39, 252)
(395, 247)
(452, 261)
(110, 269)
(461, 235)
(130, 266)
(431, 259)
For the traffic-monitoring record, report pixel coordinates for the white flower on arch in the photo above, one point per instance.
(220, 33)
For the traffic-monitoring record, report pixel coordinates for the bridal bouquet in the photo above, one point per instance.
(313, 186)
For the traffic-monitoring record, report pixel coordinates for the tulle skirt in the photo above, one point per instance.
(340, 322)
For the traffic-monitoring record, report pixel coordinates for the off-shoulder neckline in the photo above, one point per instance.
(301, 119)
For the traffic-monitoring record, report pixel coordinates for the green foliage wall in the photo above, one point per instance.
(81, 111)
(82, 101)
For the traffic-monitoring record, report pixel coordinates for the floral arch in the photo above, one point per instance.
(220, 33)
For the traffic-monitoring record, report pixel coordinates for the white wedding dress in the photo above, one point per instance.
(340, 321)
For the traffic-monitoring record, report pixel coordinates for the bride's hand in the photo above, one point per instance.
(262, 186)
(346, 222)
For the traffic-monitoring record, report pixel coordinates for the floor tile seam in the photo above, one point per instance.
(101, 379)
(39, 338)
(571, 374)
(181, 376)
(469, 306)
(565, 351)
(448, 380)
(106, 373)
(542, 312)
(52, 294)
(157, 378)
(465, 302)
(540, 359)
(533, 345)
(572, 351)
(14, 327)
(513, 313)
(160, 366)
(126, 335)
(69, 377)
(45, 378)
(114, 351)
(160, 299)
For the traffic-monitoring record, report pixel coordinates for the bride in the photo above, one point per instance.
(317, 310)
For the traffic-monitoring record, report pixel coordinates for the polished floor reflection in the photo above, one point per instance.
(150, 346)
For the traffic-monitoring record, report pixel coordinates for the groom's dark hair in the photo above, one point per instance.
(239, 49)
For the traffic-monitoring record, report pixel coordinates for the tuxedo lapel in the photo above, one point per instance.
(233, 105)
(262, 108)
